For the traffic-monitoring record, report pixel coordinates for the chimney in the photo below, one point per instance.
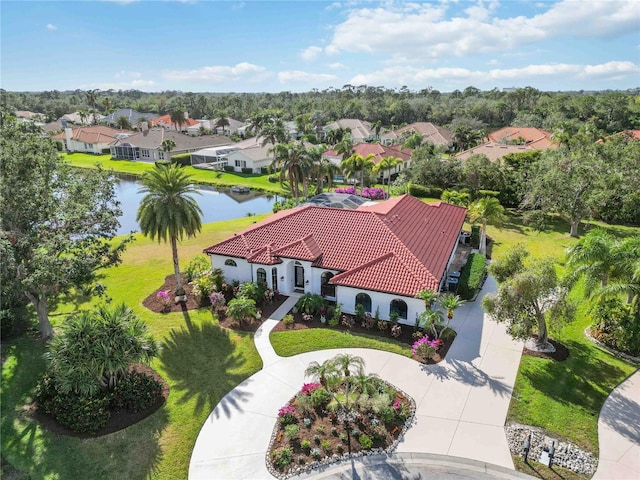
(68, 133)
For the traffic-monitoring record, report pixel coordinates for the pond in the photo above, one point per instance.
(215, 204)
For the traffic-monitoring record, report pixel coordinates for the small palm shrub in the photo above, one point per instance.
(282, 456)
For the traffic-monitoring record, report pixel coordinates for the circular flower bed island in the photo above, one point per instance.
(343, 414)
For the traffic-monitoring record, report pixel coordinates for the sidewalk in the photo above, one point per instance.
(461, 403)
(619, 433)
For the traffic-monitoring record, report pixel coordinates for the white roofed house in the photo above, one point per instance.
(360, 130)
(250, 155)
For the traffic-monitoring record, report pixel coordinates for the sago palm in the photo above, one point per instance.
(168, 211)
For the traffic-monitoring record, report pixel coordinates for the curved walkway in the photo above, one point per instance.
(461, 403)
(619, 432)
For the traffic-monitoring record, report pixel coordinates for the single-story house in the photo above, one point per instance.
(493, 151)
(211, 125)
(360, 130)
(250, 153)
(214, 158)
(431, 133)
(532, 137)
(165, 122)
(379, 151)
(94, 139)
(378, 255)
(77, 119)
(133, 116)
(147, 145)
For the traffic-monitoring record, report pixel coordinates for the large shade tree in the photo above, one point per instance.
(168, 210)
(57, 224)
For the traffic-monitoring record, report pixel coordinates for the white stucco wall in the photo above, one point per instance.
(241, 273)
(347, 297)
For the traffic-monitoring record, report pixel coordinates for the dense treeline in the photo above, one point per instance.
(609, 111)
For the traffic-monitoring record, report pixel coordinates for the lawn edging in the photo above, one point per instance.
(612, 351)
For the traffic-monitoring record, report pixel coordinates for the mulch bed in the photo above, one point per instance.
(405, 337)
(560, 355)
(117, 420)
(156, 305)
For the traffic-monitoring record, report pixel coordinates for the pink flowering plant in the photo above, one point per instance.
(425, 348)
(402, 409)
(309, 388)
(349, 190)
(164, 297)
(373, 193)
(217, 300)
(287, 414)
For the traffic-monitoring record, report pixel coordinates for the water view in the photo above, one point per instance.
(216, 205)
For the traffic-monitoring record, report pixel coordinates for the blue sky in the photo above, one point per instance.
(249, 46)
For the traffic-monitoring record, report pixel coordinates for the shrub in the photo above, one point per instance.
(309, 388)
(273, 178)
(217, 300)
(303, 402)
(264, 170)
(366, 441)
(7, 323)
(165, 298)
(402, 409)
(343, 437)
(183, 159)
(382, 325)
(252, 290)
(617, 326)
(326, 446)
(292, 431)
(387, 414)
(136, 392)
(337, 316)
(247, 170)
(396, 331)
(320, 429)
(310, 303)
(320, 397)
(78, 413)
(424, 347)
(281, 457)
(196, 267)
(305, 445)
(374, 193)
(349, 190)
(228, 168)
(424, 192)
(288, 320)
(315, 453)
(242, 309)
(360, 312)
(287, 414)
(393, 318)
(378, 432)
(472, 275)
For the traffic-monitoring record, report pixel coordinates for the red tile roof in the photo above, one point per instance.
(379, 151)
(533, 137)
(93, 135)
(165, 120)
(399, 246)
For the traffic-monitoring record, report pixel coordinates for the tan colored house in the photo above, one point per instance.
(431, 133)
(95, 139)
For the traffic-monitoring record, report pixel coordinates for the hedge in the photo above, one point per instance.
(247, 170)
(424, 192)
(183, 159)
(228, 168)
(472, 275)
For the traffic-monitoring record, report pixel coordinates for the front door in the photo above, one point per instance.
(299, 276)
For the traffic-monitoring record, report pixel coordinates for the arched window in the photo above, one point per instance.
(399, 307)
(230, 263)
(261, 276)
(326, 289)
(364, 300)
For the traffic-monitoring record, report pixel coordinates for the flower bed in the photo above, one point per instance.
(352, 415)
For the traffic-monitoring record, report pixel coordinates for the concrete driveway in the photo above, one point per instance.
(461, 402)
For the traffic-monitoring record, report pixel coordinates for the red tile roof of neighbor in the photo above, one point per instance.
(398, 246)
(380, 151)
(534, 137)
(166, 120)
(93, 135)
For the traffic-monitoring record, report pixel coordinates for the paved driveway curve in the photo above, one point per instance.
(619, 432)
(461, 402)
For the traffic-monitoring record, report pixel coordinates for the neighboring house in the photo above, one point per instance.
(532, 137)
(629, 134)
(134, 117)
(493, 151)
(165, 122)
(379, 256)
(89, 119)
(379, 152)
(147, 145)
(32, 116)
(53, 127)
(211, 125)
(431, 133)
(360, 130)
(214, 158)
(250, 154)
(95, 139)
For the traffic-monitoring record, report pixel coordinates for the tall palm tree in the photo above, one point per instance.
(168, 144)
(123, 123)
(386, 164)
(428, 296)
(107, 105)
(596, 257)
(486, 210)
(92, 97)
(288, 159)
(431, 319)
(177, 117)
(344, 147)
(358, 163)
(83, 116)
(168, 211)
(222, 121)
(450, 302)
(274, 132)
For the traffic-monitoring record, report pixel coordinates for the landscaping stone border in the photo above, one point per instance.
(335, 458)
(612, 351)
(567, 455)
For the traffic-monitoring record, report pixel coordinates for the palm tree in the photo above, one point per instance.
(123, 123)
(456, 198)
(358, 163)
(413, 141)
(386, 164)
(95, 349)
(428, 296)
(321, 371)
(168, 144)
(177, 117)
(107, 105)
(595, 258)
(487, 210)
(449, 302)
(345, 361)
(223, 122)
(168, 211)
(83, 116)
(377, 126)
(288, 159)
(431, 319)
(274, 132)
(344, 147)
(92, 97)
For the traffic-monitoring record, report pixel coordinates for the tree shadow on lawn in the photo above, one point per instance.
(130, 453)
(202, 361)
(574, 381)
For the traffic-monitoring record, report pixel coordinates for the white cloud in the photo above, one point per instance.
(493, 61)
(336, 66)
(310, 53)
(221, 73)
(144, 85)
(415, 77)
(127, 74)
(306, 77)
(426, 32)
(51, 26)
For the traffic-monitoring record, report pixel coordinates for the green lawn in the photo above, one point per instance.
(208, 177)
(200, 361)
(287, 344)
